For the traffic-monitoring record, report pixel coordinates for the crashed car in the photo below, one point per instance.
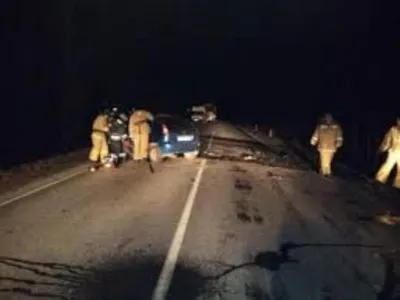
(198, 117)
(173, 136)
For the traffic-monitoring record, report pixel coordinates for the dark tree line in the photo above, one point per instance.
(62, 60)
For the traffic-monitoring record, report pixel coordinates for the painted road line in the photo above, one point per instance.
(210, 141)
(253, 136)
(164, 281)
(41, 188)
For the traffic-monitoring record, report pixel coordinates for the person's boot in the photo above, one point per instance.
(94, 167)
(109, 164)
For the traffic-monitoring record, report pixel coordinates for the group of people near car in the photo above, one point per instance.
(328, 138)
(115, 136)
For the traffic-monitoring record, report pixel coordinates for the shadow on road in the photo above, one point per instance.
(126, 279)
(272, 261)
(392, 279)
(136, 278)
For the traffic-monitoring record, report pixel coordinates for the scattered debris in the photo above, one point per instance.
(274, 176)
(237, 169)
(258, 219)
(249, 157)
(243, 185)
(388, 218)
(252, 154)
(213, 154)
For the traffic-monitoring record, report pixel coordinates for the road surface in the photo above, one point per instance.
(245, 221)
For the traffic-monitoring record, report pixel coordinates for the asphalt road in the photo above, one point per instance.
(245, 221)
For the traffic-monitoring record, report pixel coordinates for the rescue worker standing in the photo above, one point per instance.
(117, 133)
(99, 152)
(391, 145)
(328, 137)
(139, 131)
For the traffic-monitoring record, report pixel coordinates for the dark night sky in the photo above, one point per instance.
(258, 60)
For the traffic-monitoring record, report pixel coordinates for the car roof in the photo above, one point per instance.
(171, 118)
(165, 116)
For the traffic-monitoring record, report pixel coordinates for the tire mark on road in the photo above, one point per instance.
(244, 211)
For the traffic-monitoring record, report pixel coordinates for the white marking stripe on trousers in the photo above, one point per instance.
(168, 269)
(40, 188)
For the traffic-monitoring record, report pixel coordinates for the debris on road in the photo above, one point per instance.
(244, 213)
(249, 157)
(213, 154)
(388, 218)
(274, 176)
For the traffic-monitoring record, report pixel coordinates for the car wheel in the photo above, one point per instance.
(155, 154)
(191, 155)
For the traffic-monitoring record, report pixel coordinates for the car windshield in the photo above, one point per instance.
(173, 122)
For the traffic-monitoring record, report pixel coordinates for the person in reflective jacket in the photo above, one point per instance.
(139, 131)
(328, 138)
(99, 152)
(391, 145)
(118, 132)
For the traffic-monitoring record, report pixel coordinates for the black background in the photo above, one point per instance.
(280, 62)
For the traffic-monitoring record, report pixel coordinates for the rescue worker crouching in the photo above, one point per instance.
(391, 145)
(139, 131)
(99, 152)
(328, 137)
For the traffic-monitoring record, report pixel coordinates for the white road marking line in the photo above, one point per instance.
(40, 188)
(164, 281)
(210, 141)
(253, 136)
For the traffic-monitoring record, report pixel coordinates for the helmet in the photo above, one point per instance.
(113, 112)
(123, 117)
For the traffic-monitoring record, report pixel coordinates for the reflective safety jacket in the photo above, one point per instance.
(100, 124)
(327, 137)
(391, 142)
(138, 122)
